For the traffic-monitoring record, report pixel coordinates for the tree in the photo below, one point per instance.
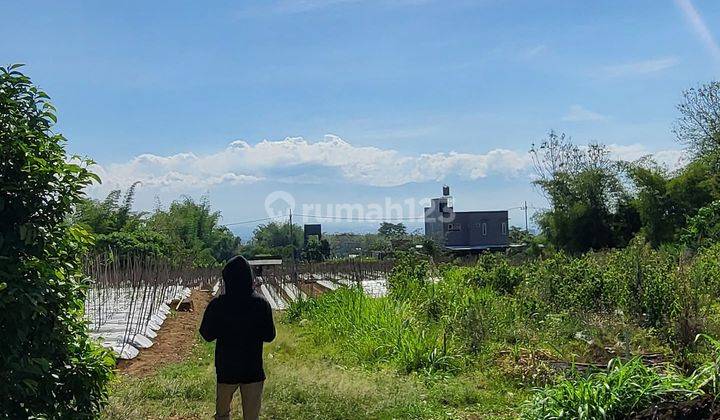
(49, 365)
(584, 188)
(278, 238)
(704, 227)
(392, 230)
(108, 215)
(699, 124)
(664, 201)
(325, 249)
(518, 235)
(345, 244)
(186, 231)
(313, 250)
(195, 231)
(117, 228)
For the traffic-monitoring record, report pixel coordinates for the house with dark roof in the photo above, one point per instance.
(470, 231)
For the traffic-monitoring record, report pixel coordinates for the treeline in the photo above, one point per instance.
(187, 231)
(190, 231)
(600, 202)
(283, 240)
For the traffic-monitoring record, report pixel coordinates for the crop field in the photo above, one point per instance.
(285, 284)
(595, 336)
(130, 298)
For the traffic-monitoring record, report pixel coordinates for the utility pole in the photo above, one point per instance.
(290, 237)
(292, 248)
(525, 207)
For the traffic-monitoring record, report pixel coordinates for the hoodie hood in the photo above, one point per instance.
(238, 277)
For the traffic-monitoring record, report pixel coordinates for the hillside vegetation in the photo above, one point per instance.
(542, 323)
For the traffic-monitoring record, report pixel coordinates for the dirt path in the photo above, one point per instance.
(174, 342)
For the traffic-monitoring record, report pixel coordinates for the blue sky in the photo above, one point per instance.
(415, 93)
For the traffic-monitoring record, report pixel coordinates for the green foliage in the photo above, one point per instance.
(375, 330)
(590, 207)
(409, 276)
(704, 228)
(344, 244)
(519, 236)
(638, 281)
(194, 231)
(109, 215)
(476, 314)
(138, 242)
(186, 231)
(49, 365)
(664, 202)
(625, 388)
(276, 239)
(392, 230)
(593, 205)
(118, 229)
(316, 250)
(497, 272)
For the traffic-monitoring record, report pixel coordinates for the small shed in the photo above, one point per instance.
(259, 262)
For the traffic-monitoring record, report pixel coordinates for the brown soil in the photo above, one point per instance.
(313, 289)
(174, 342)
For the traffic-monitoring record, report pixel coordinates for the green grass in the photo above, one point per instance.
(305, 383)
(613, 394)
(361, 330)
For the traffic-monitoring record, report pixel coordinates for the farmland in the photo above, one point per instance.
(502, 337)
(609, 309)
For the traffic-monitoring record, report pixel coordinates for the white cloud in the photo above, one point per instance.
(670, 158)
(336, 160)
(241, 163)
(636, 68)
(578, 113)
(702, 31)
(177, 172)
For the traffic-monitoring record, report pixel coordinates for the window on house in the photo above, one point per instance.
(454, 227)
(503, 228)
(484, 229)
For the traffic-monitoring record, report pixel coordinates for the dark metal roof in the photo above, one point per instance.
(473, 247)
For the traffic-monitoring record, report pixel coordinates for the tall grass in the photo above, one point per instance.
(375, 330)
(623, 389)
(575, 308)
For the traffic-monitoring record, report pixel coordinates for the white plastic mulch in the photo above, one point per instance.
(272, 296)
(329, 284)
(124, 328)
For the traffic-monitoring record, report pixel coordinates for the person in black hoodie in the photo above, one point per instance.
(240, 320)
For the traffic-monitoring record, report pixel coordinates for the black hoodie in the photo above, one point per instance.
(240, 320)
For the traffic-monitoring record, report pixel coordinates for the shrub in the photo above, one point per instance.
(562, 283)
(643, 282)
(497, 272)
(409, 276)
(703, 229)
(49, 366)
